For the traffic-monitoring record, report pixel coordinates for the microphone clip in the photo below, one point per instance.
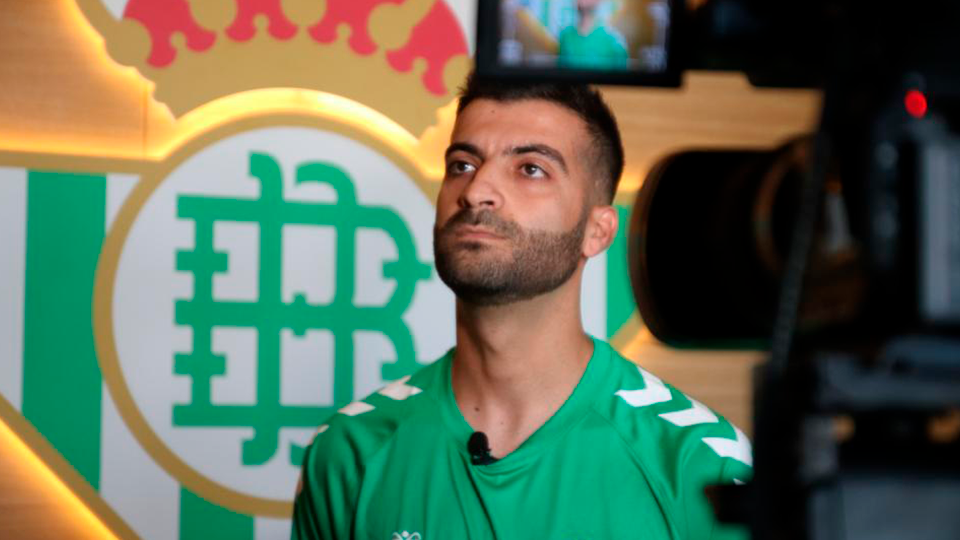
(479, 448)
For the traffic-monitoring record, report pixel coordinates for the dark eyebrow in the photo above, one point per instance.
(542, 149)
(463, 147)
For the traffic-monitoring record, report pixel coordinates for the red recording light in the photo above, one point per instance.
(916, 103)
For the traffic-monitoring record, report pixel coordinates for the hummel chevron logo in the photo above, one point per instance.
(739, 449)
(653, 391)
(355, 408)
(698, 413)
(399, 389)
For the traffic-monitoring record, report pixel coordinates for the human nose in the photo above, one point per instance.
(482, 191)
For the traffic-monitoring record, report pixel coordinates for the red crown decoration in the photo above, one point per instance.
(404, 58)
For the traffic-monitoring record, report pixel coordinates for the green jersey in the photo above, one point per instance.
(602, 48)
(626, 456)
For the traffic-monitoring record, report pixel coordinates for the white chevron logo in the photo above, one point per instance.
(355, 408)
(654, 391)
(399, 390)
(739, 449)
(698, 413)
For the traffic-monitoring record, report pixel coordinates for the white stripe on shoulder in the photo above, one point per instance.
(739, 449)
(355, 408)
(698, 413)
(653, 391)
(399, 389)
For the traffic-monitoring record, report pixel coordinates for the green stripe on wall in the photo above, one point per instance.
(620, 304)
(61, 378)
(201, 520)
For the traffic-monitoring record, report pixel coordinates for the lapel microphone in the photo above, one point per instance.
(479, 448)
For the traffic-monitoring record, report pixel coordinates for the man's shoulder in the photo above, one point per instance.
(338, 457)
(663, 425)
(363, 426)
(680, 445)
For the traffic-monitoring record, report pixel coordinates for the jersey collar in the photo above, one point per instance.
(549, 435)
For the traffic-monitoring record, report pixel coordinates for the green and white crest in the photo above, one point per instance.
(259, 283)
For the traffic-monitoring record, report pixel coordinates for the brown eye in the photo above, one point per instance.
(533, 171)
(456, 168)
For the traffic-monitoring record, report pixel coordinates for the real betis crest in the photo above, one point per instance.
(251, 284)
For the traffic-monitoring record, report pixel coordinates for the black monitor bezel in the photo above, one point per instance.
(487, 65)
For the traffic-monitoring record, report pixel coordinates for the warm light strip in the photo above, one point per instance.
(235, 107)
(286, 100)
(42, 476)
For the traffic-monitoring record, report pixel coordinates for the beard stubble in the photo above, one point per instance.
(538, 261)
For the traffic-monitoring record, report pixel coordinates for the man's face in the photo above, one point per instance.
(512, 209)
(587, 4)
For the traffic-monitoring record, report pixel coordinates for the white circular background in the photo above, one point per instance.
(148, 284)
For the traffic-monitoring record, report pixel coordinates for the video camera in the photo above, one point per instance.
(838, 251)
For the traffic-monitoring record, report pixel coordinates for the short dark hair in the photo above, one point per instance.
(583, 100)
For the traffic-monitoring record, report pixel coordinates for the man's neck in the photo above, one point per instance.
(515, 365)
(587, 21)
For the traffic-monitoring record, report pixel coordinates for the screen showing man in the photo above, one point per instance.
(590, 42)
(591, 35)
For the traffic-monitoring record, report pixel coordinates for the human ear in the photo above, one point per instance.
(601, 230)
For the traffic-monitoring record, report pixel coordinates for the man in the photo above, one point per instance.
(583, 444)
(591, 44)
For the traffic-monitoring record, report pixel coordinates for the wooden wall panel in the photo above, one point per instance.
(59, 91)
(711, 110)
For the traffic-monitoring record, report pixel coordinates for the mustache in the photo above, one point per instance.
(486, 218)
